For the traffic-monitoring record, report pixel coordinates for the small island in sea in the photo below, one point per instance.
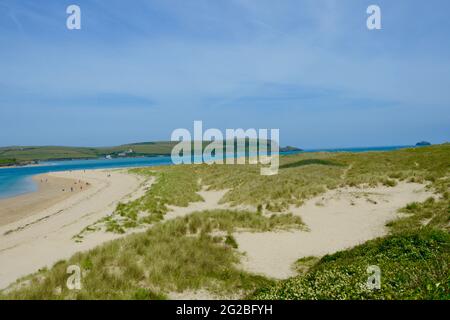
(290, 149)
(423, 143)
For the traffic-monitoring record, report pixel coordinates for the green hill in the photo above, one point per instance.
(40, 153)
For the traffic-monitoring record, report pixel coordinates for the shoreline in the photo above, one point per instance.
(45, 236)
(15, 166)
(49, 192)
(40, 163)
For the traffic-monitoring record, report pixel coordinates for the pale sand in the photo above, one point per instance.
(49, 193)
(337, 220)
(45, 237)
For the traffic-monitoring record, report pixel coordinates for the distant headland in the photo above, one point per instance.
(423, 143)
(290, 149)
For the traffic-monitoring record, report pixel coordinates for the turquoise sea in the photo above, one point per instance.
(17, 181)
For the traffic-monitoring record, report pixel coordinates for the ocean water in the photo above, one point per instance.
(17, 181)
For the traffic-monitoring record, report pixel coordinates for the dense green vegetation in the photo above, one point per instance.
(199, 251)
(45, 153)
(8, 162)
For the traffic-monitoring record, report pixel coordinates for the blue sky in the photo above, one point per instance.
(137, 70)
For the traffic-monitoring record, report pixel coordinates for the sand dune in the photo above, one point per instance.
(45, 237)
(337, 220)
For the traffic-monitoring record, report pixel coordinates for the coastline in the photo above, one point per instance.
(14, 166)
(49, 192)
(43, 237)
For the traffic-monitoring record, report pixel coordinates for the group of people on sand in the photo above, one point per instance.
(79, 182)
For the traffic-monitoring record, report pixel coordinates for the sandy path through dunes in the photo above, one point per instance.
(337, 220)
(46, 237)
(211, 199)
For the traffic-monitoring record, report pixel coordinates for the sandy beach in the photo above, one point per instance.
(37, 229)
(51, 190)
